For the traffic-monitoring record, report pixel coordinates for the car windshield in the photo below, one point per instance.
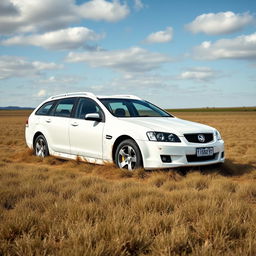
(133, 108)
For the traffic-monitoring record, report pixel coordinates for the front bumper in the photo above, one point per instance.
(181, 154)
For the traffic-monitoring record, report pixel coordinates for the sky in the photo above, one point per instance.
(174, 53)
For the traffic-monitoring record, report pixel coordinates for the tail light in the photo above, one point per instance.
(27, 123)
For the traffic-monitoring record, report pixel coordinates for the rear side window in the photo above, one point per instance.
(45, 109)
(64, 107)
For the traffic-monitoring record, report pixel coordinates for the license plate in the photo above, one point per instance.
(204, 151)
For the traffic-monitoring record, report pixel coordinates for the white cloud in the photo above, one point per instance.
(59, 80)
(13, 66)
(36, 15)
(45, 65)
(138, 5)
(103, 10)
(41, 93)
(219, 23)
(141, 80)
(144, 84)
(160, 36)
(134, 59)
(201, 74)
(241, 47)
(69, 38)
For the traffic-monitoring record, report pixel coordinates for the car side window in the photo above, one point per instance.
(86, 106)
(45, 109)
(64, 107)
(119, 109)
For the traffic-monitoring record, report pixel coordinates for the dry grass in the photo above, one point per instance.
(56, 207)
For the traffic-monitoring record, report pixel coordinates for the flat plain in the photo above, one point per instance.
(57, 207)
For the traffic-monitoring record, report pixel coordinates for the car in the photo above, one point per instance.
(122, 129)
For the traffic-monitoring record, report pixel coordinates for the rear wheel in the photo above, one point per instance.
(41, 147)
(128, 155)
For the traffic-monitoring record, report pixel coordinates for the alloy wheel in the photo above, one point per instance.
(41, 148)
(127, 157)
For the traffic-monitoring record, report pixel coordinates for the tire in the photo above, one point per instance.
(128, 156)
(41, 147)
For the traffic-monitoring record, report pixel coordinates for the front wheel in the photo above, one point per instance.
(41, 147)
(128, 155)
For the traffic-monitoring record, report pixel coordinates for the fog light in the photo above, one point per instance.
(166, 158)
(222, 154)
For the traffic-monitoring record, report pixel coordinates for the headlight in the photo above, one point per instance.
(217, 134)
(163, 136)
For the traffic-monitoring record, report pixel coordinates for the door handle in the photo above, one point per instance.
(74, 124)
(48, 120)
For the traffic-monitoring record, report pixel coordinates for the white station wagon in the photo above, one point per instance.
(123, 129)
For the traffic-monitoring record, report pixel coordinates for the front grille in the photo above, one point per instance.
(193, 137)
(195, 158)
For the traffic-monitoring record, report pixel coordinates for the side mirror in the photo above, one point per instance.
(93, 117)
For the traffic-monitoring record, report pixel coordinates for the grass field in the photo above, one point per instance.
(56, 207)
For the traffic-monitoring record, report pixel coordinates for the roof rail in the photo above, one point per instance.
(73, 94)
(126, 96)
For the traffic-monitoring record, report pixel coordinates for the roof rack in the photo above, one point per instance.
(73, 94)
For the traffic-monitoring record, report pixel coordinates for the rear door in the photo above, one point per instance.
(86, 136)
(58, 125)
(39, 121)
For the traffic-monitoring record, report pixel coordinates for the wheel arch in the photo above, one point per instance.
(35, 136)
(119, 140)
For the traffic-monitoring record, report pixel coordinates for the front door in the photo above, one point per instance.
(86, 135)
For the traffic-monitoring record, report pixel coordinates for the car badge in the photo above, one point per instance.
(201, 138)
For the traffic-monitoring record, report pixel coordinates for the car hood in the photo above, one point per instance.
(169, 124)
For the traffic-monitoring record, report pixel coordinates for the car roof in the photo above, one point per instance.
(91, 95)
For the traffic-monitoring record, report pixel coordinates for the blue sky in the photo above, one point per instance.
(177, 54)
